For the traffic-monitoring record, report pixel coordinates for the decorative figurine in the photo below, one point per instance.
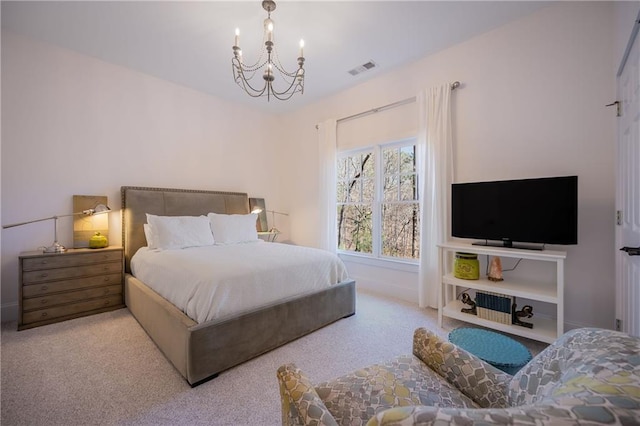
(466, 299)
(98, 241)
(495, 269)
(525, 312)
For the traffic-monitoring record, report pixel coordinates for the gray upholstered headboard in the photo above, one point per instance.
(137, 201)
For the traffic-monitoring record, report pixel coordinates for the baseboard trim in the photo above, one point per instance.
(9, 312)
(386, 289)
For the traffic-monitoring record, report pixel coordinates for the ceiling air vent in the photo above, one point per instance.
(362, 68)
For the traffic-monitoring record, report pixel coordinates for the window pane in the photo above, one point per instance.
(368, 165)
(341, 192)
(407, 159)
(390, 161)
(408, 187)
(391, 188)
(352, 171)
(354, 228)
(341, 169)
(353, 166)
(368, 190)
(401, 230)
(354, 191)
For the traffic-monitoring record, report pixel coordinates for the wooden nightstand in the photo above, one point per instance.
(56, 287)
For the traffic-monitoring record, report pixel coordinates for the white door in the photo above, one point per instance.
(628, 193)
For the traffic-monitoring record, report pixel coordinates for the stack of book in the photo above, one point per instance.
(494, 306)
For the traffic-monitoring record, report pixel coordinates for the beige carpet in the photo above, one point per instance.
(104, 370)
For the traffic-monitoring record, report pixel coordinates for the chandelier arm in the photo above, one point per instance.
(250, 90)
(280, 67)
(244, 83)
(284, 72)
(284, 98)
(295, 83)
(257, 64)
(238, 65)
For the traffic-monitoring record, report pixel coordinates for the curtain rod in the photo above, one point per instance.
(412, 99)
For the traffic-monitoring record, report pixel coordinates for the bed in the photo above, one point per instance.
(200, 351)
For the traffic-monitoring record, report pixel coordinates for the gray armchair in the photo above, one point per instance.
(587, 376)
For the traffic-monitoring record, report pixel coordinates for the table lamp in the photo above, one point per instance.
(57, 247)
(273, 229)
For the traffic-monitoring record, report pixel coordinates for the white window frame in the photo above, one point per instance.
(376, 257)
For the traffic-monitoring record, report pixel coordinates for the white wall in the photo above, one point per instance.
(72, 124)
(531, 104)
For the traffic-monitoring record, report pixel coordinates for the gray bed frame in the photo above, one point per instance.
(201, 351)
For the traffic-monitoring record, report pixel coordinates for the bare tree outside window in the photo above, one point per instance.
(395, 204)
(356, 190)
(400, 207)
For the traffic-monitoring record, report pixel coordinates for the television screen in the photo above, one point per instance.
(542, 210)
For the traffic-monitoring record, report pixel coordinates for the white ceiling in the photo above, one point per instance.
(189, 43)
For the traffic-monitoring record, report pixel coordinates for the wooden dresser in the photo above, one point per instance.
(56, 287)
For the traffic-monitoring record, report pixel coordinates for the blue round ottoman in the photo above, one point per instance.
(498, 350)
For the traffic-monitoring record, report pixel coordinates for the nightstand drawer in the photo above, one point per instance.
(43, 289)
(52, 262)
(74, 296)
(72, 272)
(57, 287)
(71, 309)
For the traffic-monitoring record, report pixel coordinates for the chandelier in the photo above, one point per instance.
(289, 83)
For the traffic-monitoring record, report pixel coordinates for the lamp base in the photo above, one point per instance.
(55, 248)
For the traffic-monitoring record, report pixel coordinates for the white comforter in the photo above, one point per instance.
(214, 282)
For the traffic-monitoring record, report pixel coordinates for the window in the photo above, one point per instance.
(378, 212)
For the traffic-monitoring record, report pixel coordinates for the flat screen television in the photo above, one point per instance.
(523, 213)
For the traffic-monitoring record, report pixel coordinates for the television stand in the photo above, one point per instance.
(509, 244)
(537, 290)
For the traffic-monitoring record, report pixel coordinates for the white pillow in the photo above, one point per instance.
(176, 232)
(148, 234)
(233, 228)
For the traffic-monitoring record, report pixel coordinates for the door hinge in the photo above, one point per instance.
(618, 105)
(618, 325)
(619, 217)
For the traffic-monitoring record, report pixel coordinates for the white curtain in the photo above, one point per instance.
(327, 187)
(435, 164)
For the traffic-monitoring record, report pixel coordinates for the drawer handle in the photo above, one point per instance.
(44, 301)
(44, 275)
(44, 262)
(44, 314)
(44, 288)
(106, 278)
(106, 303)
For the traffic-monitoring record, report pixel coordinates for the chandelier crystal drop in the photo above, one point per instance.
(269, 68)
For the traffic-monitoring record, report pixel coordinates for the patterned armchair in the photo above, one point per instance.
(589, 376)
